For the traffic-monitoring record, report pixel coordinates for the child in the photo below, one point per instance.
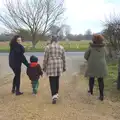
(34, 72)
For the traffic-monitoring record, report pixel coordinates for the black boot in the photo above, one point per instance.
(89, 92)
(19, 93)
(13, 91)
(101, 98)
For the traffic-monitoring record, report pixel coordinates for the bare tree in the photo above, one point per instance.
(112, 32)
(37, 16)
(112, 35)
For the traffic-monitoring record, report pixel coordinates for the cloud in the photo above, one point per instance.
(88, 13)
(84, 14)
(90, 9)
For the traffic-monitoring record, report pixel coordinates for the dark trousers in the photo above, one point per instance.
(16, 80)
(100, 83)
(54, 84)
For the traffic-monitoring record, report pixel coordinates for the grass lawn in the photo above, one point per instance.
(112, 76)
(69, 46)
(110, 82)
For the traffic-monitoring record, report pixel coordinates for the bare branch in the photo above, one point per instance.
(112, 31)
(37, 16)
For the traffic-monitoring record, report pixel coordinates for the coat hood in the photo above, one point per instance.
(96, 45)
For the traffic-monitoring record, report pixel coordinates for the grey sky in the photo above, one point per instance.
(87, 14)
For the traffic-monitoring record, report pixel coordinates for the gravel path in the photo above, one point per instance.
(73, 104)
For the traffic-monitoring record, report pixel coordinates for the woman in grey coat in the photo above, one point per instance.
(54, 64)
(97, 66)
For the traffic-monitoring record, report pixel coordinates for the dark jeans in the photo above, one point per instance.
(100, 83)
(16, 80)
(54, 84)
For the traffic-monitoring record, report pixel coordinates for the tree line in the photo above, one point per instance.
(62, 36)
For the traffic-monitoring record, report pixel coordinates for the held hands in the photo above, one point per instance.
(44, 70)
(43, 76)
(28, 65)
(64, 69)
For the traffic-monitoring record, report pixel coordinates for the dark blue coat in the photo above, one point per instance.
(16, 56)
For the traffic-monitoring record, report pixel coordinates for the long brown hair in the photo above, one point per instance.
(14, 40)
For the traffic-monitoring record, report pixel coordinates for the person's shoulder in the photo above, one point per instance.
(38, 65)
(61, 47)
(28, 68)
(21, 46)
(48, 46)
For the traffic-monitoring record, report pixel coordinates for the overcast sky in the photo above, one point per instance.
(88, 14)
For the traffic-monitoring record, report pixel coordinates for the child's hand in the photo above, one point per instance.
(64, 69)
(28, 65)
(44, 70)
(43, 76)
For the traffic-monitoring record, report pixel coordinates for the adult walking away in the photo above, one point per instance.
(97, 66)
(54, 64)
(16, 58)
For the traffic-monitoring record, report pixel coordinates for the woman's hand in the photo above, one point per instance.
(44, 69)
(64, 69)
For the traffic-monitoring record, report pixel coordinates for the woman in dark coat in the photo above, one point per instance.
(97, 66)
(16, 58)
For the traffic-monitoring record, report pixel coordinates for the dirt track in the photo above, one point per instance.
(74, 103)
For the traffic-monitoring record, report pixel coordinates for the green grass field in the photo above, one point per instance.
(110, 82)
(112, 75)
(69, 46)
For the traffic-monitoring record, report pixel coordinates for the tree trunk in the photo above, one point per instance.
(33, 40)
(33, 45)
(110, 52)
